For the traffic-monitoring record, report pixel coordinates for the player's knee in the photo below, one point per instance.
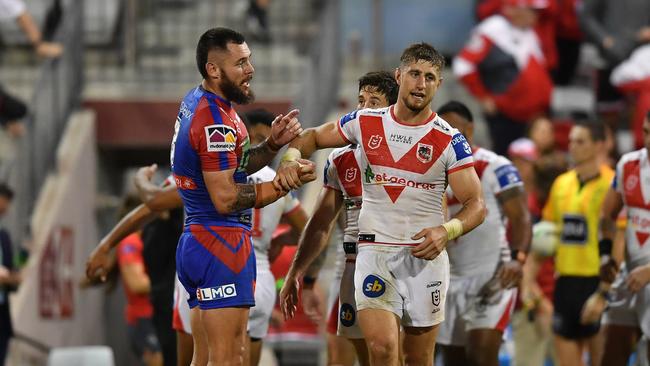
(382, 349)
(420, 357)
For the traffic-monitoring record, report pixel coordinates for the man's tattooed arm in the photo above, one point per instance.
(245, 197)
(259, 156)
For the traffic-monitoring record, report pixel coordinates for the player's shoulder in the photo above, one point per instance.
(340, 151)
(359, 113)
(266, 174)
(439, 124)
(633, 156)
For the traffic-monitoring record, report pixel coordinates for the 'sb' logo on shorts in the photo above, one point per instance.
(347, 315)
(373, 286)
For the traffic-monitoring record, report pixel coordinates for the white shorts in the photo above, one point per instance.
(265, 296)
(181, 316)
(258, 318)
(348, 323)
(475, 302)
(392, 279)
(628, 308)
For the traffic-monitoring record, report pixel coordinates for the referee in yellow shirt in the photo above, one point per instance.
(574, 206)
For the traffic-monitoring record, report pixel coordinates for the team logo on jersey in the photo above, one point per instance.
(216, 293)
(631, 182)
(425, 152)
(373, 286)
(220, 138)
(350, 174)
(374, 141)
(347, 315)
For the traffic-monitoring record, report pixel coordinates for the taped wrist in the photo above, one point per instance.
(605, 247)
(454, 228)
(266, 193)
(291, 154)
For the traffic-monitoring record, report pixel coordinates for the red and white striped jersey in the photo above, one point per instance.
(632, 181)
(404, 172)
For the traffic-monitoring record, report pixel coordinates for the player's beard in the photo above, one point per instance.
(233, 92)
(414, 107)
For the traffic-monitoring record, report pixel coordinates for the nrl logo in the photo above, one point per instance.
(424, 152)
(374, 141)
(631, 182)
(350, 174)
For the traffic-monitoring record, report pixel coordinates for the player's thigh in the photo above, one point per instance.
(361, 349)
(568, 351)
(419, 343)
(225, 327)
(265, 297)
(184, 348)
(340, 351)
(380, 329)
(452, 355)
(425, 293)
(483, 346)
(199, 336)
(620, 341)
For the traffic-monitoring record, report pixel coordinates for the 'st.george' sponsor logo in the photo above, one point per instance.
(220, 138)
(383, 178)
(216, 293)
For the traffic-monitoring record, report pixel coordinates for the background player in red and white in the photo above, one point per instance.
(627, 317)
(409, 157)
(484, 270)
(341, 188)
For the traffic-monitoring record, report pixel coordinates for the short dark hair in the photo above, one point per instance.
(215, 38)
(457, 107)
(596, 129)
(422, 52)
(383, 81)
(257, 117)
(6, 191)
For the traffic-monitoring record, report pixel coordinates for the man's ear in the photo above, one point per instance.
(398, 75)
(213, 70)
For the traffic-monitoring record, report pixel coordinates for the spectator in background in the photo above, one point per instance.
(9, 277)
(568, 41)
(503, 66)
(632, 77)
(616, 27)
(545, 27)
(137, 287)
(12, 110)
(257, 22)
(542, 134)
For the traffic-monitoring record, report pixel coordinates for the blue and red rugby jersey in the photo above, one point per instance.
(208, 136)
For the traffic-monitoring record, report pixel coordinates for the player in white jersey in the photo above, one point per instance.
(341, 188)
(627, 317)
(408, 157)
(264, 221)
(484, 269)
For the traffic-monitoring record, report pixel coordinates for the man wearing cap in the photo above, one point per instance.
(503, 66)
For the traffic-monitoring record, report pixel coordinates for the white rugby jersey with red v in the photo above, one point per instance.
(404, 169)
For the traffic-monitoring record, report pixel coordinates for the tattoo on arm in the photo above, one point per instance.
(259, 156)
(245, 197)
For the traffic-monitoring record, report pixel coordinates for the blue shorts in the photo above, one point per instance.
(216, 265)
